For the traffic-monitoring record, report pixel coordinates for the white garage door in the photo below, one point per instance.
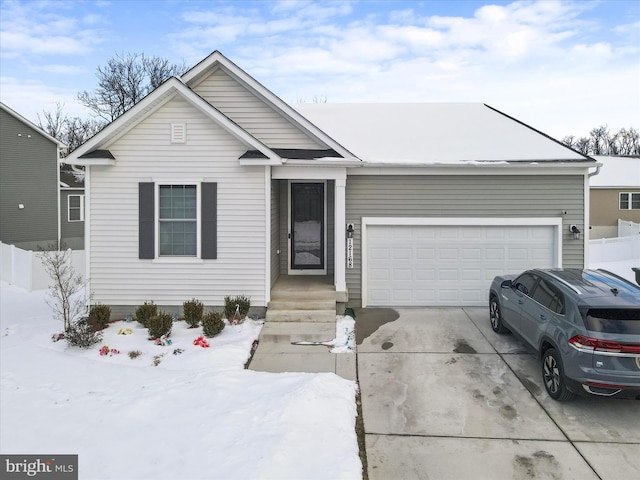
(448, 265)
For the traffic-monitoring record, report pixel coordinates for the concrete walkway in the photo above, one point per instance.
(278, 351)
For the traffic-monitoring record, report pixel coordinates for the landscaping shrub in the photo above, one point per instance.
(145, 312)
(243, 302)
(81, 334)
(160, 325)
(212, 324)
(193, 312)
(99, 316)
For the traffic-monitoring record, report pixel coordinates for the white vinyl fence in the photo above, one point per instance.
(23, 268)
(628, 229)
(615, 249)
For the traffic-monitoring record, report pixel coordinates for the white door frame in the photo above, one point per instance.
(313, 271)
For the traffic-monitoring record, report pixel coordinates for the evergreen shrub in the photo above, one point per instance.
(193, 310)
(160, 325)
(145, 312)
(212, 324)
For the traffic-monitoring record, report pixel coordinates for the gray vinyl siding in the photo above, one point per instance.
(145, 154)
(252, 114)
(28, 176)
(72, 232)
(275, 231)
(464, 196)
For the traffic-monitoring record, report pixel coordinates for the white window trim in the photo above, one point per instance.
(630, 201)
(178, 258)
(81, 209)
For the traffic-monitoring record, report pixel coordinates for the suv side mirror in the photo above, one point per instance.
(506, 284)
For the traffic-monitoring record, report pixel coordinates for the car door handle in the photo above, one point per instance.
(543, 318)
(520, 302)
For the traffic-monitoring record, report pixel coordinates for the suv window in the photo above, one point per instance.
(550, 296)
(613, 320)
(525, 283)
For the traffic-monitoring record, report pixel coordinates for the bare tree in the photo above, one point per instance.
(603, 142)
(72, 131)
(66, 299)
(124, 81)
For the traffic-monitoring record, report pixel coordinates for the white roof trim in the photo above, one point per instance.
(32, 125)
(161, 95)
(218, 59)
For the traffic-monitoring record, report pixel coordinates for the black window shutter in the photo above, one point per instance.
(209, 230)
(146, 226)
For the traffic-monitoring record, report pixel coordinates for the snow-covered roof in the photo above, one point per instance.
(434, 133)
(617, 172)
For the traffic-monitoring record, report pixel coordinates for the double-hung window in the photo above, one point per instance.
(75, 208)
(629, 201)
(178, 220)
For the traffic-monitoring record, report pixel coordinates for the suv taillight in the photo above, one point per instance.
(598, 345)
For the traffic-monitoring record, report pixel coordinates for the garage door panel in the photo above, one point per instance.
(432, 265)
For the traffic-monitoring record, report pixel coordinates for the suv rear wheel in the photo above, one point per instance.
(495, 316)
(553, 376)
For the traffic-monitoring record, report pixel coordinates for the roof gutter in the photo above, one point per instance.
(597, 171)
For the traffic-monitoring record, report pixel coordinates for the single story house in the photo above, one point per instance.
(615, 195)
(213, 186)
(30, 193)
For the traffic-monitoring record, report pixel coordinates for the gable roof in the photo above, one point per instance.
(617, 172)
(32, 125)
(217, 60)
(435, 133)
(95, 150)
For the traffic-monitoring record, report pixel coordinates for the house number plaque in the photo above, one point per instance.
(349, 252)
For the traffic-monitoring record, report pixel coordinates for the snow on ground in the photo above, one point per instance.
(197, 414)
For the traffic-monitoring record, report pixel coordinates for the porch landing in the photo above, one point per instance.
(302, 298)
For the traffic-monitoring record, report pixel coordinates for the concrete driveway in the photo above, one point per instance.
(444, 397)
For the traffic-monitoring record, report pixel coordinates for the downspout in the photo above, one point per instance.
(58, 195)
(587, 208)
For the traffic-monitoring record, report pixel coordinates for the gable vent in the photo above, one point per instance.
(178, 133)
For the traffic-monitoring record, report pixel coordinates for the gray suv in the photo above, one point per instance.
(584, 325)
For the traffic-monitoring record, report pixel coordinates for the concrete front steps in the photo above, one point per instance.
(302, 298)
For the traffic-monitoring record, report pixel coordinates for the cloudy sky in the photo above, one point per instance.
(563, 67)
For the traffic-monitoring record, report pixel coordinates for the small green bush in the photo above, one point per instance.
(230, 303)
(81, 334)
(193, 310)
(99, 316)
(212, 324)
(160, 325)
(145, 312)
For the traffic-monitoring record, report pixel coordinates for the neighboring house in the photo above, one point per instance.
(72, 207)
(615, 195)
(29, 183)
(214, 186)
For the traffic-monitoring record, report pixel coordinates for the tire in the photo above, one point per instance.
(495, 316)
(553, 377)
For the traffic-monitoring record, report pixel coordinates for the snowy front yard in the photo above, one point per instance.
(198, 414)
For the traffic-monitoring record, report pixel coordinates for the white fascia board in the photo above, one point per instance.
(150, 104)
(502, 169)
(218, 59)
(308, 173)
(464, 221)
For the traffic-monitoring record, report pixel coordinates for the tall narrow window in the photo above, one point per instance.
(178, 212)
(75, 210)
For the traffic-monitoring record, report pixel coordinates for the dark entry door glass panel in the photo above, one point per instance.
(307, 226)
